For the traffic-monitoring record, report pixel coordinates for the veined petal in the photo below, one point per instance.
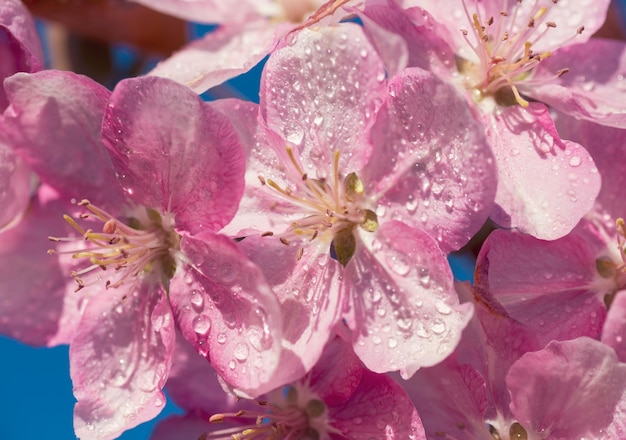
(431, 166)
(594, 89)
(176, 427)
(321, 94)
(173, 152)
(53, 124)
(308, 287)
(120, 360)
(526, 145)
(221, 55)
(405, 313)
(225, 308)
(569, 389)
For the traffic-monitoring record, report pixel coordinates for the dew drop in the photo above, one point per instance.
(398, 264)
(575, 161)
(241, 352)
(221, 338)
(158, 402)
(196, 299)
(438, 327)
(201, 324)
(376, 340)
(392, 343)
(232, 364)
(443, 308)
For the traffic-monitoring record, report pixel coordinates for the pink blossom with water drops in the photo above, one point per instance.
(340, 184)
(140, 257)
(493, 52)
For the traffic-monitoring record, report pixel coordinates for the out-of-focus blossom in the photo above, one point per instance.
(337, 399)
(20, 51)
(247, 33)
(166, 175)
(354, 187)
(503, 56)
(501, 384)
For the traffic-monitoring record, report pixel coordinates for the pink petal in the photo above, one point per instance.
(120, 360)
(567, 390)
(309, 291)
(378, 406)
(57, 115)
(225, 308)
(220, 55)
(320, 95)
(15, 187)
(550, 286)
(614, 331)
(421, 39)
(181, 427)
(593, 90)
(606, 146)
(405, 313)
(193, 383)
(175, 153)
(206, 11)
(38, 305)
(431, 166)
(526, 147)
(20, 48)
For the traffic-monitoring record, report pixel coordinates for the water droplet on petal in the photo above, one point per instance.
(221, 338)
(241, 352)
(438, 327)
(575, 161)
(443, 308)
(197, 301)
(201, 324)
(231, 364)
(392, 343)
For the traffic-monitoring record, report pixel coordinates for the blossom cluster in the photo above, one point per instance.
(281, 267)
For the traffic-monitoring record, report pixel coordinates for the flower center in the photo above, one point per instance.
(504, 51)
(332, 209)
(516, 432)
(145, 243)
(297, 413)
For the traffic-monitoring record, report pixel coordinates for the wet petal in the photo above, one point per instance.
(569, 389)
(120, 360)
(174, 152)
(405, 312)
(220, 55)
(431, 166)
(54, 116)
(225, 308)
(207, 11)
(526, 145)
(181, 427)
(614, 331)
(593, 90)
(320, 95)
(15, 187)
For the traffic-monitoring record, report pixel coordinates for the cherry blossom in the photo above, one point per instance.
(147, 254)
(348, 180)
(493, 52)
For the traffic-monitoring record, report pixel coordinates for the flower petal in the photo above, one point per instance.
(206, 11)
(15, 187)
(220, 55)
(320, 95)
(225, 308)
(431, 166)
(120, 360)
(181, 427)
(569, 389)
(526, 146)
(173, 152)
(614, 331)
(593, 90)
(406, 314)
(54, 116)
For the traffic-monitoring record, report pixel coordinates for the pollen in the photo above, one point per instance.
(331, 209)
(124, 249)
(505, 55)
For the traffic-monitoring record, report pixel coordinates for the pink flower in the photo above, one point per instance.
(147, 253)
(348, 181)
(248, 32)
(500, 384)
(337, 399)
(495, 53)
